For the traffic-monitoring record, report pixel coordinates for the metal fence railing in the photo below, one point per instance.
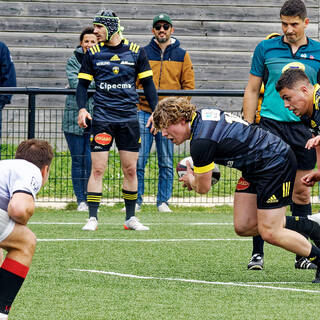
(32, 121)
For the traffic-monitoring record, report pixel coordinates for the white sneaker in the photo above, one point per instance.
(138, 208)
(3, 316)
(134, 224)
(91, 225)
(164, 207)
(82, 207)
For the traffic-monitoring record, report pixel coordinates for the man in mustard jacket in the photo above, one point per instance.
(172, 70)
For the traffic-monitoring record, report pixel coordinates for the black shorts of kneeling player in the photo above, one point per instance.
(273, 187)
(296, 135)
(125, 134)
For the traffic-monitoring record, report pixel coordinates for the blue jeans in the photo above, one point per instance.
(79, 147)
(165, 160)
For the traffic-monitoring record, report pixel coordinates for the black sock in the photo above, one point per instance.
(314, 255)
(12, 275)
(301, 210)
(93, 200)
(258, 243)
(304, 226)
(130, 200)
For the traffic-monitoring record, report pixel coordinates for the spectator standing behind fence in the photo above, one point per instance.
(77, 138)
(172, 70)
(270, 59)
(114, 64)
(7, 79)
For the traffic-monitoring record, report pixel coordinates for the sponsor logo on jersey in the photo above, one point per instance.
(115, 70)
(242, 184)
(294, 65)
(210, 114)
(103, 138)
(108, 86)
(229, 164)
(34, 184)
(128, 63)
(272, 199)
(115, 58)
(103, 63)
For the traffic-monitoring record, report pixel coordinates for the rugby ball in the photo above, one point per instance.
(182, 170)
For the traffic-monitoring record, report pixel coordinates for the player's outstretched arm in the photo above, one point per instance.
(311, 178)
(313, 142)
(21, 207)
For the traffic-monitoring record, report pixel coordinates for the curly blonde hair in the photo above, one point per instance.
(171, 110)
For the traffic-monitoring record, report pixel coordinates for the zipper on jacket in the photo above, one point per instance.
(162, 54)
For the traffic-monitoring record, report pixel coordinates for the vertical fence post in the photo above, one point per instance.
(31, 115)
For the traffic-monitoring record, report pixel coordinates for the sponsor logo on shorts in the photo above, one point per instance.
(272, 199)
(242, 184)
(103, 138)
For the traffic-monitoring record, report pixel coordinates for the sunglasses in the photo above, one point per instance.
(165, 26)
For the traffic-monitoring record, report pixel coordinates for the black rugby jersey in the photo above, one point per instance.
(223, 138)
(115, 70)
(313, 122)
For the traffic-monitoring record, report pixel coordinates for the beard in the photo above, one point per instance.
(162, 39)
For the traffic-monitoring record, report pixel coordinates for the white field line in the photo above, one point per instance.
(235, 284)
(156, 223)
(139, 240)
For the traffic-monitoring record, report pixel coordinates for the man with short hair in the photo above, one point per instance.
(114, 64)
(172, 70)
(270, 59)
(302, 98)
(20, 180)
(268, 167)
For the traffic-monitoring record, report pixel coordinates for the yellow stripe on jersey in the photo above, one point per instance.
(193, 117)
(94, 49)
(85, 76)
(145, 74)
(134, 47)
(204, 169)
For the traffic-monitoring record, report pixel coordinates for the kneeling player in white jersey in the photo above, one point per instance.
(20, 180)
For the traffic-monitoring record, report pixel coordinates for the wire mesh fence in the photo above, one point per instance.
(59, 189)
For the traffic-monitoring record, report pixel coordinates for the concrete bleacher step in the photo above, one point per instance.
(219, 35)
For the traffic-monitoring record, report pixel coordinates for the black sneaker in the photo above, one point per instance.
(256, 262)
(304, 263)
(317, 278)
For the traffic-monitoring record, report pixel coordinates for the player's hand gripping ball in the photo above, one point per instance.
(182, 170)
